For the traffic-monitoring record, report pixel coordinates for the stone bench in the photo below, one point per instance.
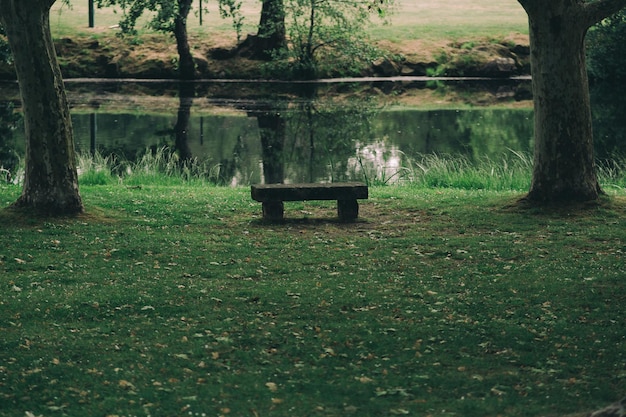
(346, 194)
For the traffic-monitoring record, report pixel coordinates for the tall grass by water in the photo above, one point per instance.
(511, 172)
(161, 166)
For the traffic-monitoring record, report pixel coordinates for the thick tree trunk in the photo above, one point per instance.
(564, 167)
(186, 65)
(271, 35)
(50, 182)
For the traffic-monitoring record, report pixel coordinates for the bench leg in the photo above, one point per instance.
(273, 210)
(348, 210)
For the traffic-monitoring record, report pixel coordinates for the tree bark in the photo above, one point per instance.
(186, 65)
(51, 180)
(271, 35)
(564, 166)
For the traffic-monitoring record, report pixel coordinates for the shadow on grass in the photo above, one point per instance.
(20, 217)
(565, 209)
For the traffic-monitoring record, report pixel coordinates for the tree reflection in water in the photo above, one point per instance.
(293, 136)
(253, 134)
(186, 92)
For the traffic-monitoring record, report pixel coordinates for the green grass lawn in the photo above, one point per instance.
(179, 300)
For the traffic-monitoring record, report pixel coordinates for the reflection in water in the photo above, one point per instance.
(251, 135)
(375, 161)
(314, 141)
(285, 135)
(181, 128)
(272, 129)
(322, 137)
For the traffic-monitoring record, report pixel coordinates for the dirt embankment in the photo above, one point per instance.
(155, 56)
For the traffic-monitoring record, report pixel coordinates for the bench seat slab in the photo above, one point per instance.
(346, 194)
(303, 192)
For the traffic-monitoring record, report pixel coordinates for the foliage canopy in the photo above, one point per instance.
(605, 47)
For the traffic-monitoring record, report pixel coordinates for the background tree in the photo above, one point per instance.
(272, 27)
(9, 159)
(5, 50)
(271, 37)
(333, 29)
(606, 49)
(564, 166)
(50, 180)
(170, 17)
(232, 9)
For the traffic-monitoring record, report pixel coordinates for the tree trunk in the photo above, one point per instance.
(271, 35)
(51, 181)
(186, 64)
(564, 167)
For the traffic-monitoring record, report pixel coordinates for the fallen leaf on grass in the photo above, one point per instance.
(56, 407)
(271, 386)
(126, 384)
(392, 391)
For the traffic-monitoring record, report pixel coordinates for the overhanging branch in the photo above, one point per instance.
(601, 9)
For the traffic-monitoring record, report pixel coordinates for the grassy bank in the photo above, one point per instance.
(438, 36)
(428, 20)
(179, 300)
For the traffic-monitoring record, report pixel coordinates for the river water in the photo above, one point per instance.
(253, 133)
